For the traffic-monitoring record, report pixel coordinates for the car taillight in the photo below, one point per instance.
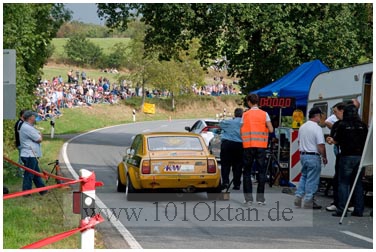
(145, 169)
(212, 168)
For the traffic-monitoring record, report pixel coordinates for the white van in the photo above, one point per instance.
(340, 85)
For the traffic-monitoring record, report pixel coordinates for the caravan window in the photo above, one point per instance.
(324, 108)
(366, 103)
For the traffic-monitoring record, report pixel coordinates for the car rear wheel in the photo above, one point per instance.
(131, 191)
(120, 187)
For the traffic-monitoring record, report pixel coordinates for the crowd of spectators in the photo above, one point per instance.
(80, 90)
(76, 92)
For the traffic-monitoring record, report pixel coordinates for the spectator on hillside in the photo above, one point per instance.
(60, 79)
(70, 76)
(83, 76)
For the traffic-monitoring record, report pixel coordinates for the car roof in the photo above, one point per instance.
(151, 134)
(210, 120)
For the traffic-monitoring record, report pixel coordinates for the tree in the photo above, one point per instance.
(260, 41)
(178, 76)
(82, 51)
(163, 75)
(29, 29)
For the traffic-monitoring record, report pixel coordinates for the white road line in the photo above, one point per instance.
(128, 237)
(147, 130)
(358, 236)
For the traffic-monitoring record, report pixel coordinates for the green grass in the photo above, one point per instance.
(106, 44)
(27, 220)
(82, 119)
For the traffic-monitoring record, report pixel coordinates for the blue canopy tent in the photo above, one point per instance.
(294, 84)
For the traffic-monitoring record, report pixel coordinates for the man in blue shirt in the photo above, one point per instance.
(231, 150)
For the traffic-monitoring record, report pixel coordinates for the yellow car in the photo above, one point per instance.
(168, 160)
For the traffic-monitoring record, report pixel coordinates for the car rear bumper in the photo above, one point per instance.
(179, 181)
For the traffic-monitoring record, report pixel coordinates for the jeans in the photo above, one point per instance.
(348, 168)
(310, 179)
(32, 163)
(335, 180)
(251, 155)
(231, 156)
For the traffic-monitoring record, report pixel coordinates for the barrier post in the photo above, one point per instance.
(134, 115)
(87, 207)
(52, 123)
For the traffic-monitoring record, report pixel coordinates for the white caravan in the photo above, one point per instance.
(340, 85)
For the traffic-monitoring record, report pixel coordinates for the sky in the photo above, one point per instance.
(84, 12)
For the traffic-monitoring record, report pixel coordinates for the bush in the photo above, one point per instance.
(82, 52)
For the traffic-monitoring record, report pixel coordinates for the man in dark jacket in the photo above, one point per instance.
(351, 136)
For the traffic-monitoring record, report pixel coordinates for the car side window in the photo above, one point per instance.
(137, 144)
(197, 125)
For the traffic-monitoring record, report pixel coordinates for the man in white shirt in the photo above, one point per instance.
(312, 150)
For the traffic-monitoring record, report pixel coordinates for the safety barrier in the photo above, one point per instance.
(87, 191)
(295, 164)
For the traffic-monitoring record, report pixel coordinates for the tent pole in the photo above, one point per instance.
(279, 142)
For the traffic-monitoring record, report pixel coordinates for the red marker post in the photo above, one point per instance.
(87, 208)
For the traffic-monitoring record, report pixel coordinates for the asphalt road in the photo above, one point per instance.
(192, 221)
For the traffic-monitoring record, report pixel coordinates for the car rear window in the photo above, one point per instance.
(174, 143)
(212, 123)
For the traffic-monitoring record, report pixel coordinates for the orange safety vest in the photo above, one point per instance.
(254, 132)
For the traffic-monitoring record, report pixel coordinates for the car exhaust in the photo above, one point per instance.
(189, 189)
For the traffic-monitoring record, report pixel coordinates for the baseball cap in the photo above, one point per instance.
(314, 111)
(29, 113)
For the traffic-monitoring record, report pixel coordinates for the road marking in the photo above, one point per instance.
(123, 231)
(358, 236)
(147, 130)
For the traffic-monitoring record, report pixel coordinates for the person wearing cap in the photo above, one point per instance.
(30, 139)
(312, 151)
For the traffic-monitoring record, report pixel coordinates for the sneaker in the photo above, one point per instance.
(236, 188)
(247, 203)
(315, 206)
(261, 203)
(331, 208)
(298, 202)
(311, 205)
(350, 209)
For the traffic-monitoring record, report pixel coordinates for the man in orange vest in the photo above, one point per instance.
(256, 126)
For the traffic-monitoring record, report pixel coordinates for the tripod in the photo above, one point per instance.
(273, 172)
(56, 168)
